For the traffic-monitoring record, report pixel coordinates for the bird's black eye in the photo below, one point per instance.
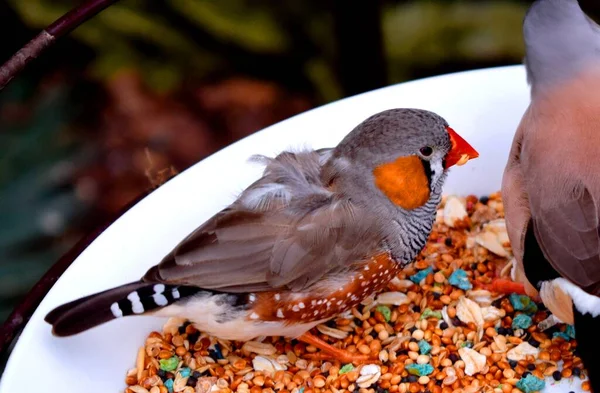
(426, 151)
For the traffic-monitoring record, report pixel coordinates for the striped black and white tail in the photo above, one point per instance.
(131, 299)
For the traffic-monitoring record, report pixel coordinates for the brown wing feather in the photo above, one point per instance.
(564, 235)
(287, 230)
(516, 205)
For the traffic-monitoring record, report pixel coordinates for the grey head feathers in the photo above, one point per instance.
(386, 136)
(560, 41)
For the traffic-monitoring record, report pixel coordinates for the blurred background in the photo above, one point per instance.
(147, 88)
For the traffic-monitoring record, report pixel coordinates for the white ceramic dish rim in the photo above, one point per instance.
(501, 93)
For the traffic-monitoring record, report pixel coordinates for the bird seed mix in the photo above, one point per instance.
(433, 330)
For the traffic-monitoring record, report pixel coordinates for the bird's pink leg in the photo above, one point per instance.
(501, 285)
(332, 353)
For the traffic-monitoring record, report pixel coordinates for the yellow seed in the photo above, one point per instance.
(439, 278)
(319, 381)
(446, 363)
(445, 299)
(451, 312)
(364, 349)
(423, 359)
(352, 375)
(424, 380)
(550, 370)
(418, 334)
(259, 380)
(447, 258)
(413, 346)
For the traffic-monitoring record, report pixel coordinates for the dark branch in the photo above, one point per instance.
(47, 37)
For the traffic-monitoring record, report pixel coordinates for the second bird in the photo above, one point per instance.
(551, 184)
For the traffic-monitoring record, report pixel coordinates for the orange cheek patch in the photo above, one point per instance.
(404, 182)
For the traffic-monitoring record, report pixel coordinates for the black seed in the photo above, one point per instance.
(412, 378)
(473, 266)
(457, 322)
(453, 357)
(437, 295)
(374, 334)
(556, 375)
(526, 373)
(192, 381)
(443, 325)
(193, 337)
(404, 379)
(380, 390)
(196, 374)
(501, 331)
(484, 199)
(448, 242)
(416, 309)
(357, 322)
(162, 374)
(512, 363)
(550, 331)
(413, 340)
(412, 329)
(533, 342)
(170, 375)
(182, 327)
(497, 303)
(531, 367)
(356, 390)
(576, 371)
(510, 332)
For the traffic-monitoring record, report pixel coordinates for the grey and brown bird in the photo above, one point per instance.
(551, 183)
(318, 233)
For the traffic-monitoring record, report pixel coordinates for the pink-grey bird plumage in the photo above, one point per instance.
(551, 183)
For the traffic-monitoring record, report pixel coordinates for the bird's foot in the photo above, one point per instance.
(501, 285)
(343, 356)
(329, 352)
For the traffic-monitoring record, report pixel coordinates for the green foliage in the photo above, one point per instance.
(417, 34)
(34, 204)
(250, 26)
(426, 33)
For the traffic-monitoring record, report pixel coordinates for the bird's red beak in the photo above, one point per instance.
(461, 151)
